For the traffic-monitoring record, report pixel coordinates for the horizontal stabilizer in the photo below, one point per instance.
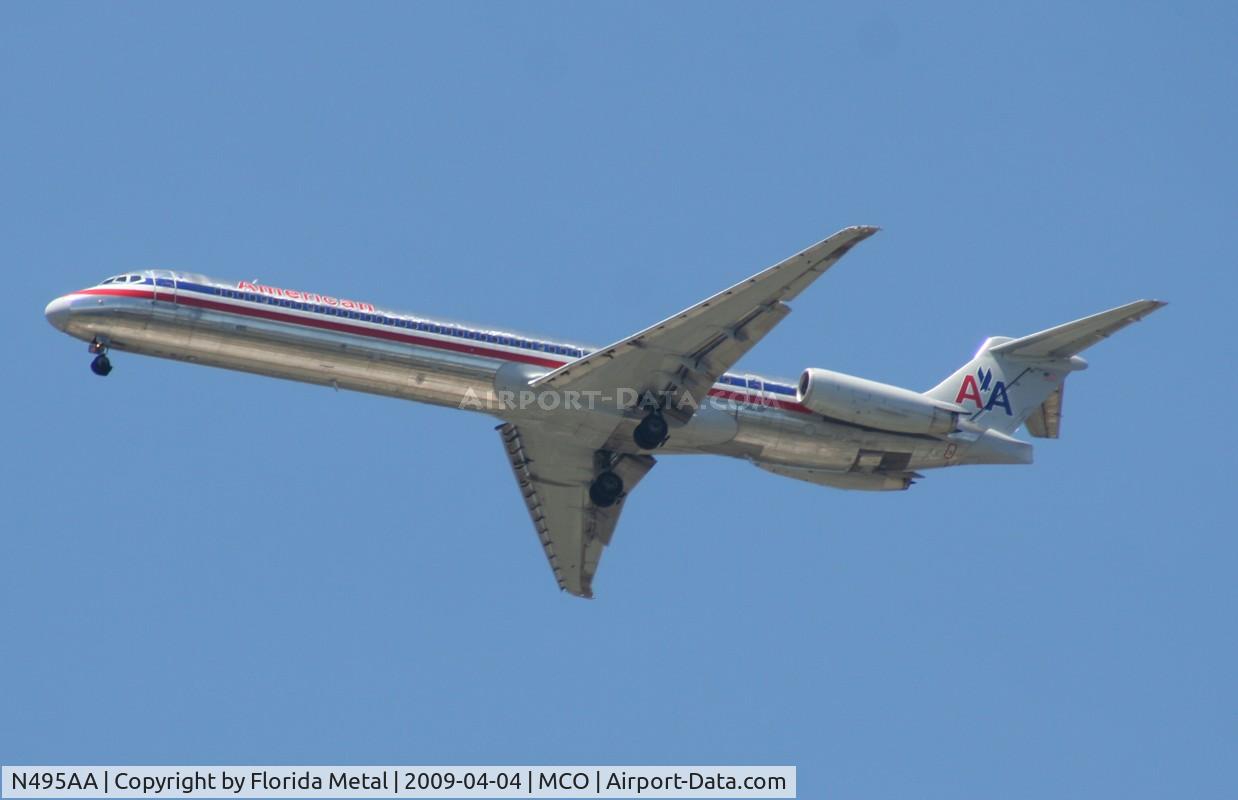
(1064, 341)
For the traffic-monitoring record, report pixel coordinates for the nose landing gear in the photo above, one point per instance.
(101, 365)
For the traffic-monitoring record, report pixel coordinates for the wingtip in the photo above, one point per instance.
(841, 243)
(584, 593)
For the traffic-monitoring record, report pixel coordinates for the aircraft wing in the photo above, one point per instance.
(553, 472)
(685, 354)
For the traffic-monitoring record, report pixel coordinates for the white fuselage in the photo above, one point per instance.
(324, 340)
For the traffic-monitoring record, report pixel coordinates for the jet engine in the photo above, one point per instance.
(875, 405)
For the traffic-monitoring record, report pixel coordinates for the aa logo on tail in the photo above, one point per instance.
(974, 385)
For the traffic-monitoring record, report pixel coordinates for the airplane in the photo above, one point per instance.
(579, 424)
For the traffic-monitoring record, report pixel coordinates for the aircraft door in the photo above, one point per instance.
(165, 286)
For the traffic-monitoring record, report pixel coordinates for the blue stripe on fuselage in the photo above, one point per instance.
(425, 326)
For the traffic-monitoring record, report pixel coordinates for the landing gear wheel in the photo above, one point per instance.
(651, 432)
(101, 365)
(606, 489)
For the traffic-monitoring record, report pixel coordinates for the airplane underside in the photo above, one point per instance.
(788, 443)
(580, 426)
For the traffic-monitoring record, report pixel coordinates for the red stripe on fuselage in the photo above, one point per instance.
(340, 327)
(330, 325)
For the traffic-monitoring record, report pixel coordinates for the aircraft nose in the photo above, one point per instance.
(57, 312)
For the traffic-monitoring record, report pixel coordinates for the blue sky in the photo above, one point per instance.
(207, 567)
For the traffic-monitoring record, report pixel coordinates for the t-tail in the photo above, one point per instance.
(1011, 382)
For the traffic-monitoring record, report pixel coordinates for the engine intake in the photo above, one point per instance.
(875, 405)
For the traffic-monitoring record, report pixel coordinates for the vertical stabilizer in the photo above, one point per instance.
(1012, 381)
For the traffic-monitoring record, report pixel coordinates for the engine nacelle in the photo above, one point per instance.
(875, 405)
